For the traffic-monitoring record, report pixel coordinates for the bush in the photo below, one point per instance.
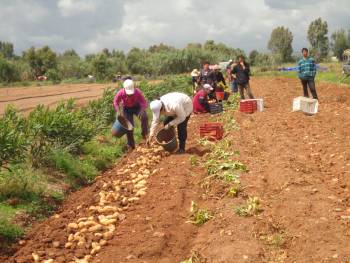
(13, 139)
(9, 232)
(8, 71)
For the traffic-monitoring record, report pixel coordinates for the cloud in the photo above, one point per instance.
(90, 25)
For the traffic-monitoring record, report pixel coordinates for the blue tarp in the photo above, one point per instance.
(318, 67)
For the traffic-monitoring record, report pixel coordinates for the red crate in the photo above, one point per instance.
(248, 106)
(212, 131)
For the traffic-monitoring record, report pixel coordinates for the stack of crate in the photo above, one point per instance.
(212, 131)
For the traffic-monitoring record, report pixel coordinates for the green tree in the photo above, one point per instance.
(41, 60)
(317, 36)
(101, 67)
(8, 71)
(6, 49)
(281, 43)
(340, 40)
(252, 57)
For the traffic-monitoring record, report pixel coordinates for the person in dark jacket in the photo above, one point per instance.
(241, 72)
(307, 73)
(207, 76)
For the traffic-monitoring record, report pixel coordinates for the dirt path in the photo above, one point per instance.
(26, 99)
(299, 166)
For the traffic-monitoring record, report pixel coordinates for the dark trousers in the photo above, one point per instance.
(246, 87)
(181, 130)
(129, 115)
(311, 85)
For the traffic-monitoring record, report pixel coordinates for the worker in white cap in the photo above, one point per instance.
(178, 108)
(133, 103)
(200, 100)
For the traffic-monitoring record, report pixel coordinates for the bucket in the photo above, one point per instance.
(121, 127)
(220, 95)
(167, 139)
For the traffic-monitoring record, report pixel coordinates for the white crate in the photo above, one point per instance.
(306, 105)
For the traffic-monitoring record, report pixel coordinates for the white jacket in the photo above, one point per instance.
(175, 104)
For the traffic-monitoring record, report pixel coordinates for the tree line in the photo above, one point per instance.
(281, 39)
(156, 60)
(161, 59)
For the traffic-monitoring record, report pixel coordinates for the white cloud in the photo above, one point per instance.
(90, 25)
(74, 7)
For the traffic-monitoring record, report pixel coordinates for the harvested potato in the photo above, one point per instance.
(56, 244)
(49, 261)
(95, 228)
(70, 237)
(140, 193)
(103, 242)
(108, 235)
(36, 257)
(73, 226)
(107, 222)
(68, 245)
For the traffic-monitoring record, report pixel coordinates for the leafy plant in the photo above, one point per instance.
(199, 216)
(9, 232)
(193, 160)
(252, 207)
(234, 190)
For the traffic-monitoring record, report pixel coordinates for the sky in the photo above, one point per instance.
(88, 26)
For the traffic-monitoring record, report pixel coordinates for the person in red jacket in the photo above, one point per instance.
(200, 100)
(133, 103)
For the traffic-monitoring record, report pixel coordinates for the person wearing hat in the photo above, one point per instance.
(207, 76)
(194, 75)
(178, 108)
(219, 76)
(200, 100)
(133, 103)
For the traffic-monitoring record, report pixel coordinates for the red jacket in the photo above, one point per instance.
(200, 102)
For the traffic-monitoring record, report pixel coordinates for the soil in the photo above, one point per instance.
(27, 98)
(299, 167)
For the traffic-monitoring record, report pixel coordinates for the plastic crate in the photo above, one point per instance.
(248, 106)
(215, 107)
(212, 131)
(306, 105)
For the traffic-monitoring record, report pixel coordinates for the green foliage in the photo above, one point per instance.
(340, 42)
(281, 43)
(62, 127)
(13, 139)
(252, 207)
(6, 50)
(8, 71)
(41, 60)
(317, 36)
(9, 232)
(100, 67)
(198, 215)
(78, 171)
(21, 182)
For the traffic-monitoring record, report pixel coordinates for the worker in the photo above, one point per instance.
(200, 100)
(219, 76)
(207, 76)
(241, 72)
(178, 108)
(307, 73)
(194, 75)
(133, 103)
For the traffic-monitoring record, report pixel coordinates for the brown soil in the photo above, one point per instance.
(299, 166)
(26, 99)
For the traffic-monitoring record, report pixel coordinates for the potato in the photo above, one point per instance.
(68, 245)
(36, 257)
(94, 244)
(98, 234)
(140, 193)
(73, 226)
(107, 209)
(81, 244)
(95, 228)
(70, 238)
(84, 230)
(107, 222)
(56, 244)
(95, 250)
(49, 261)
(108, 235)
(82, 219)
(132, 199)
(103, 242)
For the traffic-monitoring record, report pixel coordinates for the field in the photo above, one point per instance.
(27, 98)
(275, 189)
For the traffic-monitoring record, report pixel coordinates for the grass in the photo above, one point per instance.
(198, 215)
(9, 231)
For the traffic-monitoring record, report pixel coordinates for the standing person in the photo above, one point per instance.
(207, 76)
(218, 75)
(307, 73)
(133, 103)
(178, 108)
(232, 78)
(194, 75)
(242, 73)
(200, 100)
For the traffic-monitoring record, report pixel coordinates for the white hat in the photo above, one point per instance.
(156, 106)
(129, 87)
(207, 86)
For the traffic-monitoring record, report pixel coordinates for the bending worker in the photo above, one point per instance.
(200, 100)
(178, 108)
(133, 103)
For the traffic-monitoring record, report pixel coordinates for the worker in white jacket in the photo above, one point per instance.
(178, 108)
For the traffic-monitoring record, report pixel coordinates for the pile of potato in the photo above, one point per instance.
(97, 228)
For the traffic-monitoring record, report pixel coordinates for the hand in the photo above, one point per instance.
(167, 127)
(141, 113)
(149, 141)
